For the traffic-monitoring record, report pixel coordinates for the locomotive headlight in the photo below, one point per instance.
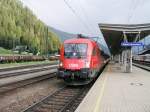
(60, 64)
(87, 64)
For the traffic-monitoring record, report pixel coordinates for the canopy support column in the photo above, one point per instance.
(122, 55)
(130, 60)
(128, 56)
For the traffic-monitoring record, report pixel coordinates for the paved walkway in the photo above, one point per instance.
(116, 91)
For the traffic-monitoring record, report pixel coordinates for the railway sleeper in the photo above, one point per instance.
(67, 95)
(60, 100)
(61, 97)
(54, 103)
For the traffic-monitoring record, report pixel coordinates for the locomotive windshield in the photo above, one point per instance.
(75, 50)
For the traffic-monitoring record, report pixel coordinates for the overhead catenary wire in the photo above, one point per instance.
(76, 14)
(134, 5)
(92, 27)
(86, 16)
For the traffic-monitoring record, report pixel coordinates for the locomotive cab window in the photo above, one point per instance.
(75, 50)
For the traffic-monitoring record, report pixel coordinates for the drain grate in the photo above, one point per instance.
(136, 84)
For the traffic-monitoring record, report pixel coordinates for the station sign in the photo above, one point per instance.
(132, 44)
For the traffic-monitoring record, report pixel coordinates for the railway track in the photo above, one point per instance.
(15, 78)
(23, 71)
(65, 99)
(26, 66)
(146, 63)
(145, 67)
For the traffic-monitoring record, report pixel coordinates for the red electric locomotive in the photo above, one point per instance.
(80, 61)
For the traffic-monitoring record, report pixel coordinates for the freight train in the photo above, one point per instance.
(20, 58)
(26, 58)
(80, 61)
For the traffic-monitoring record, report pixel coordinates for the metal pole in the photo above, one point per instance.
(125, 61)
(46, 43)
(144, 44)
(122, 58)
(119, 58)
(13, 49)
(130, 59)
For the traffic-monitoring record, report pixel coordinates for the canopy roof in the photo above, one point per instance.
(114, 33)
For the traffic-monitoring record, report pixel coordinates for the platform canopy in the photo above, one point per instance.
(114, 34)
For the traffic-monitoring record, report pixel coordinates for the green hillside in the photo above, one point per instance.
(4, 51)
(20, 27)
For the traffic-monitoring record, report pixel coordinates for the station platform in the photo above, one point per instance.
(116, 91)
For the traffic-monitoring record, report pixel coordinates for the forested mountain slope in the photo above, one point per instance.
(19, 26)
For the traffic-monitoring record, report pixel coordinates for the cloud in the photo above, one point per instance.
(55, 13)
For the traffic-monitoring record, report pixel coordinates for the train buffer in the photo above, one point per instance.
(118, 91)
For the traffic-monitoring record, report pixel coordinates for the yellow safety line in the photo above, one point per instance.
(101, 95)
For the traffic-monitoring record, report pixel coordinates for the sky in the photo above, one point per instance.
(87, 14)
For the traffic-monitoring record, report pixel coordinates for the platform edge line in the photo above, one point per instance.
(101, 95)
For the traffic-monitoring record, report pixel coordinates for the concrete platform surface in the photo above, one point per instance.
(116, 91)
